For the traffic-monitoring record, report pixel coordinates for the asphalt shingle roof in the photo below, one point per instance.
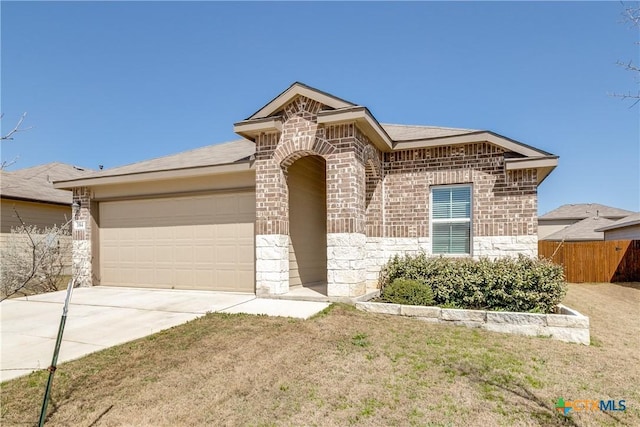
(627, 221)
(585, 210)
(581, 230)
(218, 154)
(36, 183)
(408, 133)
(241, 149)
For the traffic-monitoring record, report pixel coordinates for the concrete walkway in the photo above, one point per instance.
(101, 317)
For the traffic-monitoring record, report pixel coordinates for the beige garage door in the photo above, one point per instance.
(198, 242)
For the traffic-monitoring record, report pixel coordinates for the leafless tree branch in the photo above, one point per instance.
(628, 66)
(31, 265)
(631, 15)
(625, 96)
(7, 163)
(16, 129)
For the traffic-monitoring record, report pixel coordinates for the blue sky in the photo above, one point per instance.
(113, 83)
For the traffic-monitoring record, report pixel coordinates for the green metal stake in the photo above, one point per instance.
(54, 361)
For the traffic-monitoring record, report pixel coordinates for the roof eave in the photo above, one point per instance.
(574, 239)
(618, 226)
(32, 200)
(365, 121)
(476, 136)
(236, 167)
(544, 165)
(250, 129)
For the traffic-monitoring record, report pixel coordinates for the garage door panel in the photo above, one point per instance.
(184, 255)
(164, 277)
(196, 242)
(159, 254)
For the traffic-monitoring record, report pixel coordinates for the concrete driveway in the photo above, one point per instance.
(101, 317)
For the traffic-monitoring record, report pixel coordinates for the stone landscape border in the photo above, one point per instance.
(566, 325)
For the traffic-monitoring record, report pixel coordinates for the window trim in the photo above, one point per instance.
(451, 220)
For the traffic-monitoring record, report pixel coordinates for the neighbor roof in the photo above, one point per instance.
(581, 230)
(585, 210)
(628, 221)
(36, 183)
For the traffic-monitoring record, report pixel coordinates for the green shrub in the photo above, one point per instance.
(407, 291)
(508, 284)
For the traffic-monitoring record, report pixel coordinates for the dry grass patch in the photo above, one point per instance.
(346, 367)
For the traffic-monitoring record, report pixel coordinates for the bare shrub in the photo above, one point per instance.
(35, 259)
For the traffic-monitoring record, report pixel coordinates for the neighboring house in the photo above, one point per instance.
(317, 193)
(581, 231)
(28, 194)
(558, 219)
(627, 228)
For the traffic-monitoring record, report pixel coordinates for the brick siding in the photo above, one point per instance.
(504, 203)
(387, 194)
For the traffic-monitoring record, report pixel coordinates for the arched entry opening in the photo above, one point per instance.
(306, 179)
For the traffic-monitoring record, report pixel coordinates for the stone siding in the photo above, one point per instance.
(81, 257)
(380, 249)
(272, 264)
(500, 246)
(346, 269)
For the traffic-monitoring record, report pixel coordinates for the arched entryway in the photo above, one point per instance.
(306, 179)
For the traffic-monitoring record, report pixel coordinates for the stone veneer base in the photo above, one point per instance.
(81, 262)
(568, 325)
(380, 249)
(272, 264)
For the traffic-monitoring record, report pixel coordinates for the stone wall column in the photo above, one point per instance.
(81, 258)
(346, 239)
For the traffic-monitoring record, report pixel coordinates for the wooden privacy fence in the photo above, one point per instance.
(597, 261)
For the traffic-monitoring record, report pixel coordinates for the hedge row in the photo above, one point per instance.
(507, 284)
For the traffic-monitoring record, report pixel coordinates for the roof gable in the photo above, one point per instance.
(299, 89)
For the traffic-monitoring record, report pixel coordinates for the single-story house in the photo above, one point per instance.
(582, 231)
(31, 194)
(627, 228)
(316, 192)
(28, 194)
(566, 215)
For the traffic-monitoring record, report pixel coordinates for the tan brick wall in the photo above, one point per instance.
(504, 203)
(343, 147)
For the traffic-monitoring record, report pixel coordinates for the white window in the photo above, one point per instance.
(451, 220)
